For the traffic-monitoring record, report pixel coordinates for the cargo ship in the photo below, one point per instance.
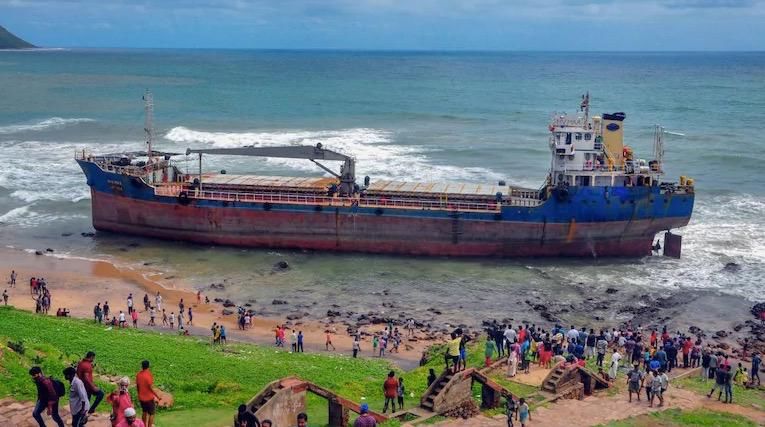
(598, 200)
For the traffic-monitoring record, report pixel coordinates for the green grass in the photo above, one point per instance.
(677, 418)
(206, 382)
(741, 396)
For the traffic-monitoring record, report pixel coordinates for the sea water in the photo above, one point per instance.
(476, 117)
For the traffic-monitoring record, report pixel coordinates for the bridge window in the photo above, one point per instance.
(568, 139)
(587, 136)
(578, 136)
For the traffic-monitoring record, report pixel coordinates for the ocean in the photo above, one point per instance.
(476, 117)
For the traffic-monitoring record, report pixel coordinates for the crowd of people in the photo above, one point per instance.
(82, 389)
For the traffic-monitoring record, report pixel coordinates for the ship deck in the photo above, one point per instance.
(453, 196)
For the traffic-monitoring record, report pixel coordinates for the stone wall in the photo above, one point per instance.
(457, 390)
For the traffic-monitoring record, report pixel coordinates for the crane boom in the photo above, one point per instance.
(347, 174)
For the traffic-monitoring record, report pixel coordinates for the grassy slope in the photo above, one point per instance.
(677, 418)
(741, 396)
(206, 382)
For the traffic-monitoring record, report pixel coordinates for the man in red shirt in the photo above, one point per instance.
(390, 388)
(687, 345)
(85, 374)
(144, 382)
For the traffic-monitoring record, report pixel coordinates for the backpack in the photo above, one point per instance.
(59, 387)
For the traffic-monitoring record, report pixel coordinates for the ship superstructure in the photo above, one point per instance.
(598, 200)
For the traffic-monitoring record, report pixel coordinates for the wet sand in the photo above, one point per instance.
(78, 284)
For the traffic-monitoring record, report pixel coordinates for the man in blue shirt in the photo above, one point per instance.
(756, 360)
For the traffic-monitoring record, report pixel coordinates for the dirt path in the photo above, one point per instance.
(602, 409)
(19, 414)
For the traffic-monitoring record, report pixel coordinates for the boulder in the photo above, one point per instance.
(732, 267)
(278, 302)
(281, 265)
(228, 303)
(227, 312)
(611, 291)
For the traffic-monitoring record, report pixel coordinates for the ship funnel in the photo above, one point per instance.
(612, 130)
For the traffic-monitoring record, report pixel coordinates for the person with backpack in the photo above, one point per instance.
(634, 380)
(78, 398)
(49, 391)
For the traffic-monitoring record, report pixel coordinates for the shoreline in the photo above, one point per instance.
(723, 320)
(77, 284)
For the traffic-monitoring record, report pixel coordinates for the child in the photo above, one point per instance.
(400, 393)
(375, 343)
(524, 414)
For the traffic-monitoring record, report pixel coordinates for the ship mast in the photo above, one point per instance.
(148, 127)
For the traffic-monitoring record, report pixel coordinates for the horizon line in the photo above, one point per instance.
(403, 50)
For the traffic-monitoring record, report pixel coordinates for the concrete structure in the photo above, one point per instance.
(282, 400)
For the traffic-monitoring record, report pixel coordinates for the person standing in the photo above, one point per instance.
(181, 305)
(511, 410)
(85, 374)
(601, 346)
(130, 303)
(146, 303)
(97, 313)
(134, 317)
(191, 318)
(78, 398)
(328, 342)
(152, 316)
(47, 398)
(634, 380)
(293, 342)
(728, 385)
(356, 346)
(755, 372)
(524, 413)
(400, 392)
(106, 309)
(12, 282)
(122, 321)
(613, 368)
(172, 320)
(147, 397)
(489, 348)
(165, 320)
(158, 301)
(5, 297)
(656, 386)
(300, 342)
(222, 334)
(390, 389)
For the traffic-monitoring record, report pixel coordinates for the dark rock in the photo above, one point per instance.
(227, 312)
(611, 291)
(540, 307)
(229, 303)
(695, 330)
(217, 286)
(731, 267)
(548, 316)
(148, 263)
(758, 309)
(134, 245)
(295, 316)
(247, 304)
(363, 322)
(218, 300)
(721, 334)
(723, 346)
(66, 234)
(434, 311)
(88, 234)
(738, 327)
(278, 302)
(281, 265)
(38, 252)
(49, 250)
(331, 313)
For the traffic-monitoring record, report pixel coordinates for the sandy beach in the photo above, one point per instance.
(77, 284)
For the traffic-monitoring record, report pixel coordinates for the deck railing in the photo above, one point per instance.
(174, 190)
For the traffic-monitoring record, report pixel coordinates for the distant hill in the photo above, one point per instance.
(10, 41)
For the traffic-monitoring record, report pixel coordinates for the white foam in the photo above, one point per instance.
(53, 122)
(375, 151)
(27, 217)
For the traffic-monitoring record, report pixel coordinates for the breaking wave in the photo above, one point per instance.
(376, 153)
(53, 122)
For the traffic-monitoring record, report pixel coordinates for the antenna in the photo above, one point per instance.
(658, 144)
(149, 123)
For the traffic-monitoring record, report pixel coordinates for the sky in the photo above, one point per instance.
(546, 25)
